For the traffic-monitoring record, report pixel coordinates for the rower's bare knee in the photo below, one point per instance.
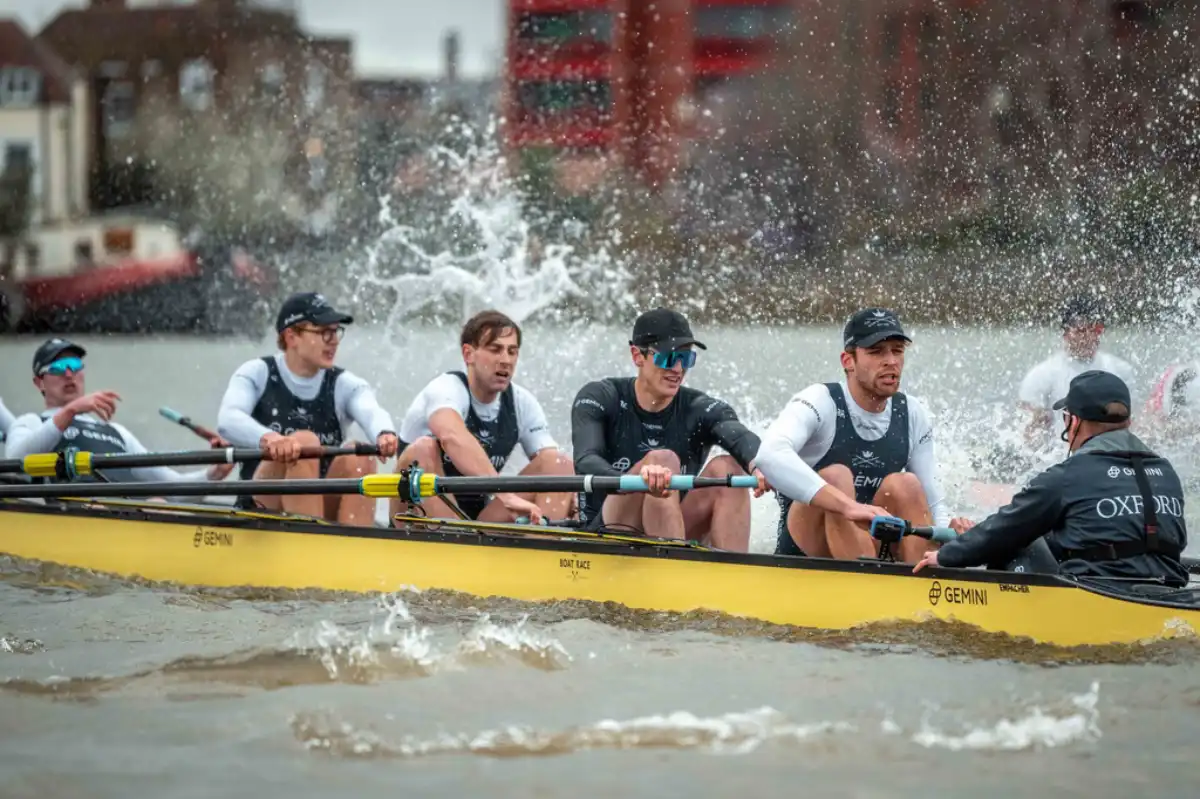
(350, 466)
(722, 466)
(307, 438)
(661, 457)
(900, 487)
(551, 461)
(425, 451)
(840, 477)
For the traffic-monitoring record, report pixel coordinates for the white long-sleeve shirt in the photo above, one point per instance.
(32, 433)
(804, 431)
(6, 420)
(354, 401)
(448, 391)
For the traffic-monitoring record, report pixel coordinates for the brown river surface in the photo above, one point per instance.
(115, 688)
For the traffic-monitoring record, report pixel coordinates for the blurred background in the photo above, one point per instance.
(176, 165)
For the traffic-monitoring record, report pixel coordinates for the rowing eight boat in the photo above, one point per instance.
(222, 547)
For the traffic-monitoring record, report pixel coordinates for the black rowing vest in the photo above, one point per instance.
(498, 438)
(869, 461)
(97, 437)
(283, 412)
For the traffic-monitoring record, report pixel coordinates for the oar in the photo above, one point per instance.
(411, 486)
(889, 530)
(184, 421)
(71, 464)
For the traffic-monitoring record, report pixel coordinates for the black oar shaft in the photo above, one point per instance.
(62, 463)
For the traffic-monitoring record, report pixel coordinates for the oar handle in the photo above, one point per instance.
(183, 421)
(422, 485)
(891, 529)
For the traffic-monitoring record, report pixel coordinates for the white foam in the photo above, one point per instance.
(1036, 729)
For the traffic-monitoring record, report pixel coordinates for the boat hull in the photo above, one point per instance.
(230, 550)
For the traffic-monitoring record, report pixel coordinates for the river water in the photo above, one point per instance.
(110, 688)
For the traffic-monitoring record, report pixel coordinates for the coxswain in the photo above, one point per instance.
(840, 454)
(470, 421)
(1082, 327)
(654, 426)
(74, 420)
(297, 398)
(1112, 509)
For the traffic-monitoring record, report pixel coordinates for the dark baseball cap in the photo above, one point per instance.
(870, 326)
(50, 351)
(663, 329)
(309, 306)
(1082, 310)
(1090, 392)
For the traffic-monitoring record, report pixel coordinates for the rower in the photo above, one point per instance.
(296, 399)
(6, 419)
(74, 420)
(1112, 509)
(469, 423)
(1173, 410)
(840, 454)
(654, 426)
(1082, 326)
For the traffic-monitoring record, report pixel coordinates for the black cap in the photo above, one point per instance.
(309, 306)
(663, 329)
(48, 353)
(1082, 310)
(1090, 392)
(870, 326)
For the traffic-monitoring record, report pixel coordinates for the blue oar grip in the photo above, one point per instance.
(890, 521)
(743, 481)
(174, 416)
(678, 482)
(943, 535)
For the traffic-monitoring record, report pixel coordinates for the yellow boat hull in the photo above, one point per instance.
(227, 549)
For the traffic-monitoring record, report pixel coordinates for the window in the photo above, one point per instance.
(18, 157)
(272, 78)
(564, 26)
(196, 84)
(19, 86)
(314, 86)
(738, 22)
(558, 97)
(119, 109)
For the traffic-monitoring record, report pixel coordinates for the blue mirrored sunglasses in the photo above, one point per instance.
(62, 365)
(667, 360)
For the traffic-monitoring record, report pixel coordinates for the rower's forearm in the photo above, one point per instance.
(366, 411)
(24, 441)
(787, 472)
(468, 456)
(239, 428)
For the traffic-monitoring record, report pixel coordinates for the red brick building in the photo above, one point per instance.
(621, 76)
(211, 64)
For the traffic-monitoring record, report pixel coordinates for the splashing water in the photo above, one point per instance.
(470, 238)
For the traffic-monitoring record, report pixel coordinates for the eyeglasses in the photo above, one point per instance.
(667, 360)
(330, 335)
(62, 366)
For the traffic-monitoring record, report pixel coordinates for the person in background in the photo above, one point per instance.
(1083, 321)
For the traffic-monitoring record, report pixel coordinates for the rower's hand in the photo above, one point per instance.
(763, 486)
(388, 445)
(960, 524)
(858, 512)
(216, 442)
(930, 558)
(518, 506)
(219, 471)
(283, 449)
(101, 403)
(657, 478)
